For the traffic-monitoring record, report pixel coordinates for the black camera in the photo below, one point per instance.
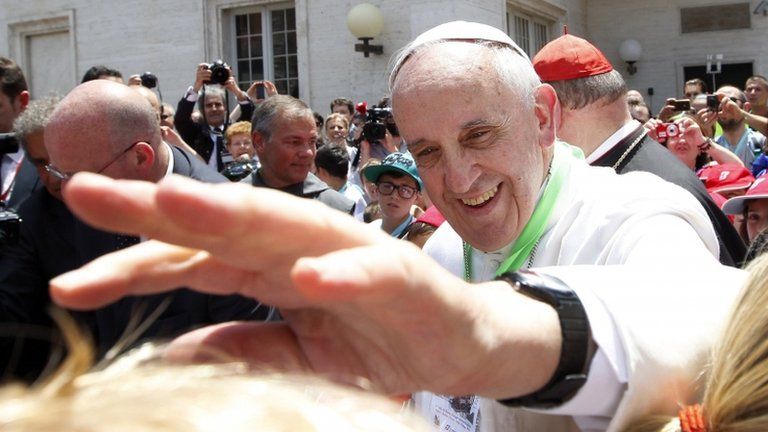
(148, 80)
(8, 143)
(10, 223)
(713, 102)
(219, 72)
(375, 127)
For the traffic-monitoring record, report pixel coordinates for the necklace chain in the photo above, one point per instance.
(629, 149)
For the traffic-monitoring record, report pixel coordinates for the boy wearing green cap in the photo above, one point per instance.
(399, 185)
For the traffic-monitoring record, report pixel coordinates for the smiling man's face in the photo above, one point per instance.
(478, 147)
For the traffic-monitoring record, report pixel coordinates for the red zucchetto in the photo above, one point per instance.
(570, 57)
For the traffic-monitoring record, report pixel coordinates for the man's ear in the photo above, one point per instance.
(548, 113)
(258, 142)
(23, 100)
(144, 155)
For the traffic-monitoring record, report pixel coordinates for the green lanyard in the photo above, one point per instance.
(534, 229)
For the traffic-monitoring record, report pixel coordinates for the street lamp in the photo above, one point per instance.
(630, 51)
(365, 22)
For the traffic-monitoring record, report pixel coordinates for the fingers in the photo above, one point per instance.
(260, 223)
(651, 126)
(231, 220)
(147, 268)
(271, 90)
(120, 210)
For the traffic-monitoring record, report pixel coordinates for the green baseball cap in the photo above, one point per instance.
(394, 162)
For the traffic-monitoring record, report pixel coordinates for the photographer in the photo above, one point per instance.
(690, 145)
(207, 136)
(751, 106)
(380, 136)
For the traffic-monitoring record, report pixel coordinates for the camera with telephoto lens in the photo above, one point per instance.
(219, 72)
(10, 222)
(8, 143)
(148, 80)
(375, 127)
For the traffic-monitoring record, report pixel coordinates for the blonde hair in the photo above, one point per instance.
(335, 116)
(736, 393)
(141, 392)
(239, 128)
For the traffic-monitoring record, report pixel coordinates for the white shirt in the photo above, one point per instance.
(168, 173)
(8, 169)
(354, 193)
(169, 170)
(637, 250)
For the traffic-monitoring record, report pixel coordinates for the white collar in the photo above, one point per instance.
(485, 264)
(612, 140)
(169, 170)
(17, 156)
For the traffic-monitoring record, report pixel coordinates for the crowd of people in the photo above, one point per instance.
(577, 261)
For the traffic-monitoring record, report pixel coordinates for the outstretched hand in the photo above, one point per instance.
(356, 302)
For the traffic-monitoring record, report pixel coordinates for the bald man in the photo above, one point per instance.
(109, 128)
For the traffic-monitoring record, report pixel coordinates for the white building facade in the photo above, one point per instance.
(304, 46)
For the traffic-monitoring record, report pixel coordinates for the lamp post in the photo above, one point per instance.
(630, 51)
(365, 22)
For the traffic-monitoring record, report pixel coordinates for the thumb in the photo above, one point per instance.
(747, 106)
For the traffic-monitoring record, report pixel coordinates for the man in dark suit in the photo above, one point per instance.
(89, 132)
(16, 178)
(596, 118)
(207, 135)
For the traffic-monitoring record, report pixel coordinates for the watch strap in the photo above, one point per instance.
(570, 373)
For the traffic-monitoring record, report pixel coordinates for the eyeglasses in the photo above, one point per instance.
(386, 188)
(61, 175)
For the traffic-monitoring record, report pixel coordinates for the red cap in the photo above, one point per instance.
(725, 177)
(570, 57)
(432, 217)
(759, 190)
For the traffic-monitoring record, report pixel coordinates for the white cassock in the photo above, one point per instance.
(641, 254)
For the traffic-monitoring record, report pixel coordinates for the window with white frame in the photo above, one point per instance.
(531, 33)
(265, 47)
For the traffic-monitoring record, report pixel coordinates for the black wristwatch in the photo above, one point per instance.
(570, 374)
